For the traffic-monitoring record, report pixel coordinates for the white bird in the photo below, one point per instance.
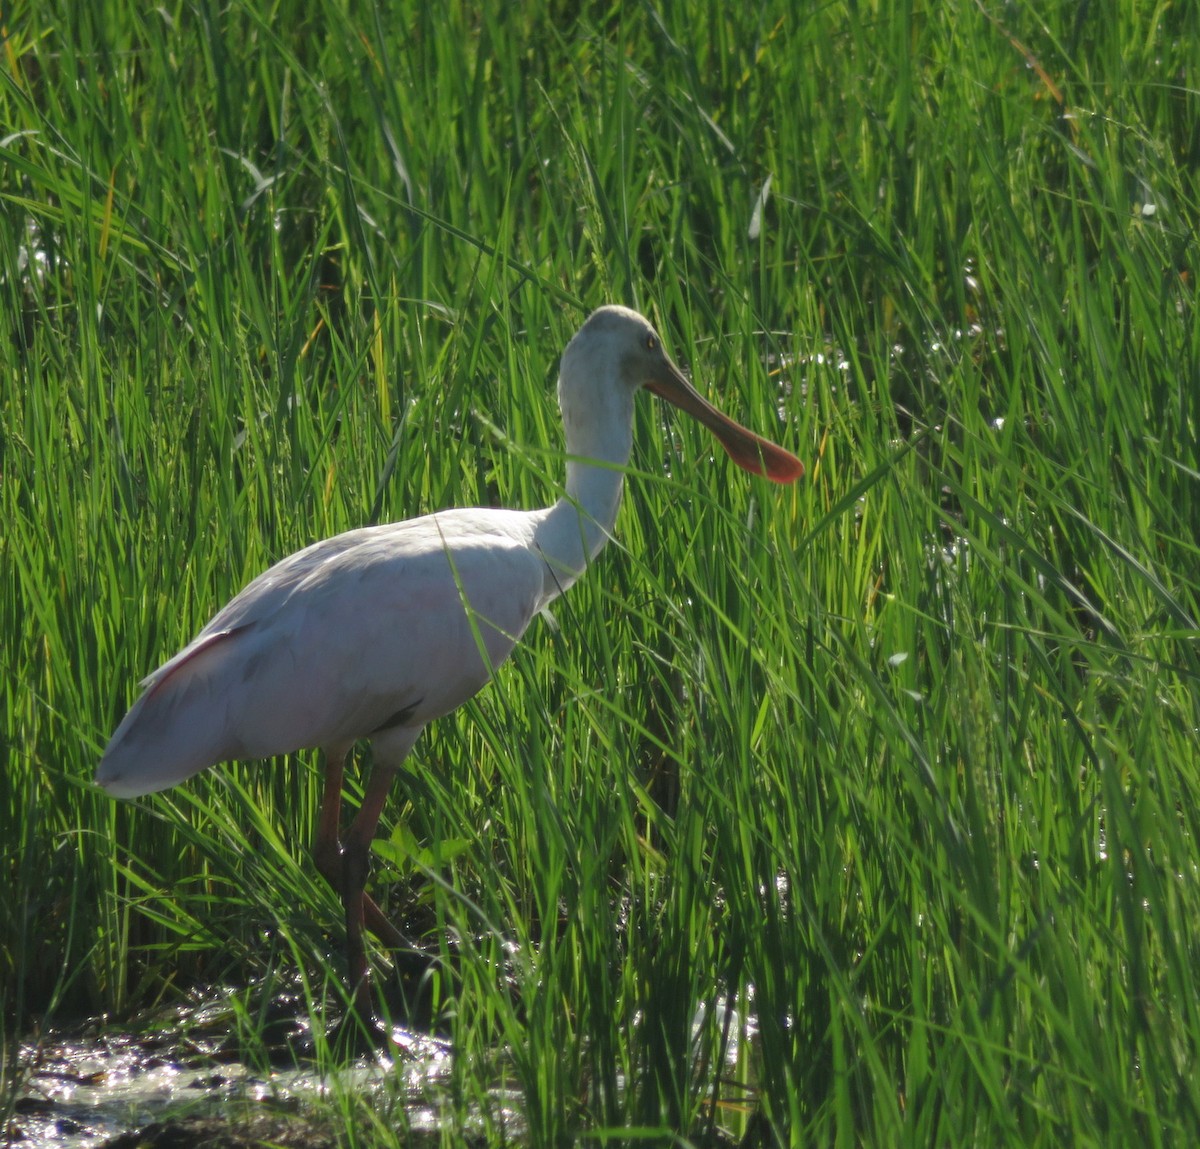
(374, 633)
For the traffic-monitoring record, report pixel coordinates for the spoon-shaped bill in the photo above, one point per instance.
(749, 451)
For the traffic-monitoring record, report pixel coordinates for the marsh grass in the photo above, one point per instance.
(898, 766)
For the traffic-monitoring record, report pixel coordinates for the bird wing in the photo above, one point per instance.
(378, 628)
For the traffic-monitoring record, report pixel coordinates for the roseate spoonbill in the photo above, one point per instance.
(376, 632)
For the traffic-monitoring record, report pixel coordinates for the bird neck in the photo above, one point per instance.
(597, 415)
(573, 532)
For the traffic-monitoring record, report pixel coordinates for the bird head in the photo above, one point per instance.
(619, 344)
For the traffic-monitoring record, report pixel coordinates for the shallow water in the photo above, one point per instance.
(178, 1081)
(86, 1088)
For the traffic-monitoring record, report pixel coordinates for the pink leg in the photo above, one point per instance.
(355, 866)
(332, 863)
(327, 849)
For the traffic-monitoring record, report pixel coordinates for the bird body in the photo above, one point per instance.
(414, 617)
(374, 633)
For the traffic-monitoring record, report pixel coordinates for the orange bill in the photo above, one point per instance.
(751, 452)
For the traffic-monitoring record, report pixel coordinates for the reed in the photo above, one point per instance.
(861, 813)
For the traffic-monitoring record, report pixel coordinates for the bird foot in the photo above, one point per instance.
(359, 1032)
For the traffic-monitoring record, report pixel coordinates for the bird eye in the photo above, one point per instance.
(651, 343)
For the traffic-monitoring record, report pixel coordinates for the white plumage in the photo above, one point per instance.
(376, 632)
(372, 633)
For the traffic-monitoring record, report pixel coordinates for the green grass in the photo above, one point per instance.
(902, 763)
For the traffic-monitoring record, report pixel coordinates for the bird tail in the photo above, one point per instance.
(174, 730)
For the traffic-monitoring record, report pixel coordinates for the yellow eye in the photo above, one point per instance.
(651, 343)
